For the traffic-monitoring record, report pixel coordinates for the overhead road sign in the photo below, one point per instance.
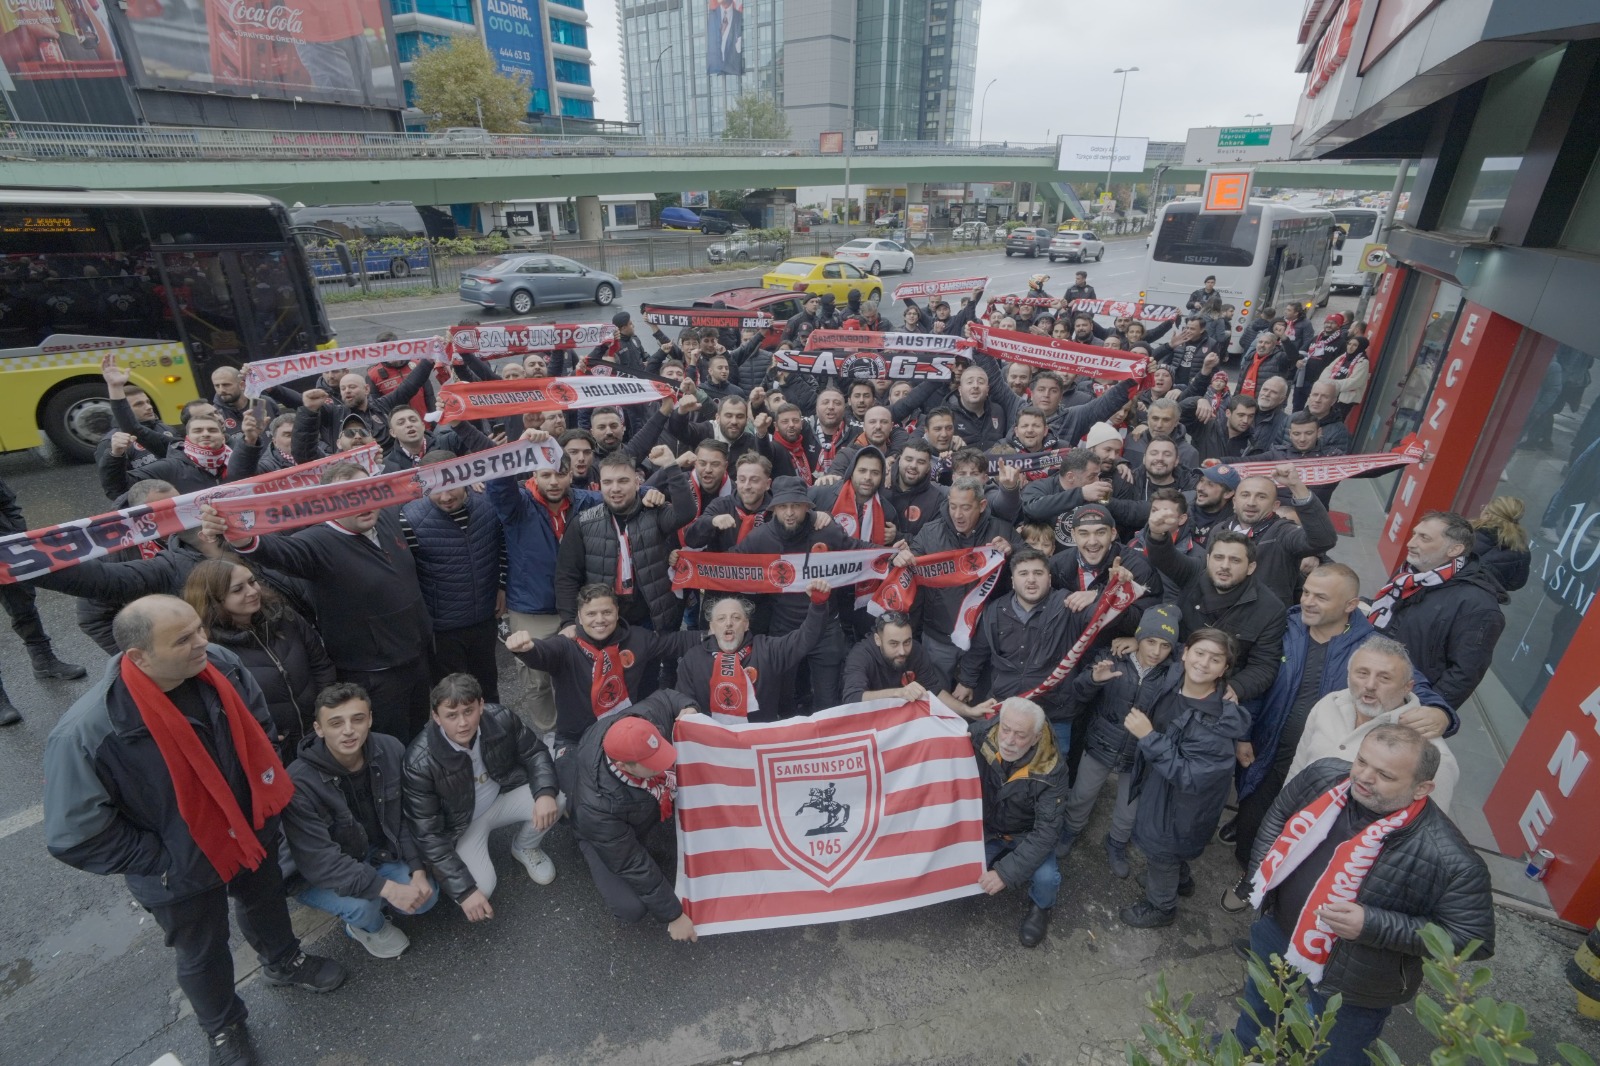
(1210, 145)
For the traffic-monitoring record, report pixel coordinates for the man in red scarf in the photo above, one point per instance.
(163, 773)
(729, 519)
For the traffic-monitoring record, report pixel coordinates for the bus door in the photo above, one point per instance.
(235, 304)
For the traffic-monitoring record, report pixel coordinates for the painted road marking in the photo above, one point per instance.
(26, 819)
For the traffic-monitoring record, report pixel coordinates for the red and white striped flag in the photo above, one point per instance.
(855, 811)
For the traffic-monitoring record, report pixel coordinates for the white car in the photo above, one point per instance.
(873, 254)
(1076, 246)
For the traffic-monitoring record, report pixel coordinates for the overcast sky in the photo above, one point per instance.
(1200, 65)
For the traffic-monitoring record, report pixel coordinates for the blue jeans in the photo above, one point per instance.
(364, 914)
(1354, 1030)
(1046, 880)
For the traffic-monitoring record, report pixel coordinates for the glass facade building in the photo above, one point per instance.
(667, 63)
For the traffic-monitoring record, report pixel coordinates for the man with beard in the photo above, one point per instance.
(965, 521)
(731, 425)
(737, 676)
(1160, 469)
(729, 519)
(231, 404)
(1185, 353)
(1163, 418)
(1032, 434)
(355, 398)
(877, 431)
(788, 442)
(981, 420)
(1213, 498)
(1221, 435)
(791, 529)
(1176, 505)
(708, 473)
(1083, 567)
(1272, 413)
(1304, 442)
(410, 440)
(891, 664)
(1266, 359)
(610, 430)
(1221, 592)
(828, 425)
(1080, 481)
(912, 491)
(624, 546)
(856, 504)
(808, 319)
(717, 383)
(1280, 543)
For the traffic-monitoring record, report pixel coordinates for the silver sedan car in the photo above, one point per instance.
(519, 283)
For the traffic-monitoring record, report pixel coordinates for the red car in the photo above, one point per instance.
(780, 304)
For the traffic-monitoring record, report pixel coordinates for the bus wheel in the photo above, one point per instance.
(399, 267)
(65, 415)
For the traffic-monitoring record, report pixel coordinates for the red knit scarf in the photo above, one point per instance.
(206, 803)
(733, 691)
(797, 456)
(663, 786)
(557, 515)
(213, 461)
(608, 690)
(862, 521)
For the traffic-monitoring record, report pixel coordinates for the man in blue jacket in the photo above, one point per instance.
(1322, 633)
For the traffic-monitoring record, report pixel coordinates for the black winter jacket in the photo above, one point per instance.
(613, 817)
(1426, 872)
(940, 606)
(1022, 653)
(1023, 802)
(1451, 630)
(1108, 740)
(286, 657)
(326, 842)
(1281, 544)
(590, 549)
(785, 612)
(866, 670)
(774, 660)
(572, 671)
(1509, 567)
(439, 792)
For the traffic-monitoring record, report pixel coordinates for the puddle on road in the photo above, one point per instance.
(15, 976)
(98, 934)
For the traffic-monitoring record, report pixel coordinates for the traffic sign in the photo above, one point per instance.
(1244, 137)
(1226, 192)
(1212, 145)
(1375, 258)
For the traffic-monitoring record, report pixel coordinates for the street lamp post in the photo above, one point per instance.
(1117, 128)
(1255, 114)
(966, 188)
(661, 112)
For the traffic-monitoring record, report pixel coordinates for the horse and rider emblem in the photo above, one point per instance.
(821, 802)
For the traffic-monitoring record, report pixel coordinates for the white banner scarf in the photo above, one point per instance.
(265, 373)
(979, 566)
(910, 290)
(860, 810)
(1126, 309)
(1331, 469)
(493, 342)
(789, 572)
(855, 340)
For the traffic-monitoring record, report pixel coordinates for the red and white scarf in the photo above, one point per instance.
(624, 583)
(864, 521)
(828, 446)
(733, 690)
(663, 786)
(608, 689)
(1312, 942)
(1116, 597)
(797, 456)
(1404, 585)
(724, 489)
(213, 461)
(979, 566)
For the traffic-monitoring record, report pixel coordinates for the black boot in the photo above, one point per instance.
(1035, 924)
(46, 666)
(9, 715)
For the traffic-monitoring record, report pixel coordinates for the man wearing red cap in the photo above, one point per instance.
(626, 787)
(1324, 348)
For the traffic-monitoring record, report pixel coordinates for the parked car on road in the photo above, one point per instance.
(891, 219)
(1076, 246)
(820, 274)
(742, 247)
(1030, 241)
(519, 283)
(875, 253)
(521, 237)
(781, 304)
(971, 231)
(679, 218)
(716, 220)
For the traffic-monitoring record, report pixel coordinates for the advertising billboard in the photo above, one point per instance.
(307, 49)
(511, 33)
(725, 37)
(50, 39)
(1078, 152)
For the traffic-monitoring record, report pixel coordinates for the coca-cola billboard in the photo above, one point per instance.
(50, 40)
(313, 50)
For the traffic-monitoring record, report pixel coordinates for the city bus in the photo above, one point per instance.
(1357, 226)
(1270, 255)
(174, 284)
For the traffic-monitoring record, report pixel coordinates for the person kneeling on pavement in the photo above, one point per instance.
(625, 788)
(1024, 780)
(344, 831)
(474, 768)
(1182, 772)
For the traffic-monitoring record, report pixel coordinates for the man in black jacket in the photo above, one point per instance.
(1224, 434)
(1444, 606)
(344, 828)
(966, 521)
(890, 664)
(1221, 592)
(1080, 289)
(1423, 871)
(25, 620)
(727, 519)
(474, 768)
(911, 490)
(624, 791)
(1280, 543)
(355, 398)
(737, 676)
(111, 806)
(1024, 780)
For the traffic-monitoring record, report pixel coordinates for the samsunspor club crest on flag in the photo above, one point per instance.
(820, 803)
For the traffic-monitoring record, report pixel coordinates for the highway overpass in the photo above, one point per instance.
(314, 167)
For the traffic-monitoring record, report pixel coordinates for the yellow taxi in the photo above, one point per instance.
(819, 274)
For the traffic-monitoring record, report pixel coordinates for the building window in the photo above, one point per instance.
(572, 72)
(569, 3)
(410, 45)
(938, 29)
(569, 33)
(572, 108)
(625, 214)
(1583, 225)
(1397, 396)
(1493, 153)
(539, 102)
(936, 51)
(455, 10)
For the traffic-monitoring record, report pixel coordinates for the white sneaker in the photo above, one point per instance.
(540, 868)
(387, 943)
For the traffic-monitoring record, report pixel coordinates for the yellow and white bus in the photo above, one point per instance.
(175, 284)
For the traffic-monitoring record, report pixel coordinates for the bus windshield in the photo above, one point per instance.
(1188, 237)
(1357, 224)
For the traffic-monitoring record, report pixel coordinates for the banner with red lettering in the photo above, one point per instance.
(792, 572)
(464, 400)
(265, 373)
(856, 340)
(1332, 469)
(1126, 309)
(280, 512)
(41, 551)
(1021, 301)
(1118, 595)
(497, 342)
(715, 317)
(859, 810)
(1085, 360)
(866, 366)
(911, 290)
(979, 567)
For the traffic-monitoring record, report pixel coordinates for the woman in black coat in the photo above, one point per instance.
(1501, 543)
(282, 651)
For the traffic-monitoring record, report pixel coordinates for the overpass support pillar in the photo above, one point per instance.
(591, 221)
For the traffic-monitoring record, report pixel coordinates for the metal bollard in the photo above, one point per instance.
(1583, 974)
